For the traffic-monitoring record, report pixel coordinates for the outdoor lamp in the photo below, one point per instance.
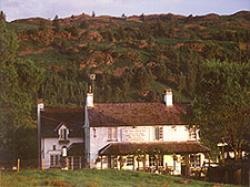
(64, 151)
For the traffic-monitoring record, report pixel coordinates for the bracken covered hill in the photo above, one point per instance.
(135, 58)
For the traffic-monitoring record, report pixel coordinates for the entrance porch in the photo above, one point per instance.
(175, 158)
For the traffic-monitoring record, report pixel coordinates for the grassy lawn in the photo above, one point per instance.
(94, 178)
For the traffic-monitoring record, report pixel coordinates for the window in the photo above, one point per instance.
(54, 160)
(54, 147)
(195, 161)
(160, 160)
(63, 134)
(192, 133)
(114, 161)
(112, 134)
(94, 132)
(155, 159)
(130, 160)
(158, 133)
(151, 160)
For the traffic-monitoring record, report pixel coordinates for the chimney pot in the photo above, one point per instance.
(168, 98)
(90, 100)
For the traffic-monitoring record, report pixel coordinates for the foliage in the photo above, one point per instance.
(2, 16)
(56, 24)
(221, 104)
(135, 59)
(160, 50)
(19, 82)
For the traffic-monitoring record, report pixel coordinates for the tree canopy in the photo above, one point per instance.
(19, 82)
(221, 104)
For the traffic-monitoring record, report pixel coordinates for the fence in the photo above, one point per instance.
(233, 174)
(18, 163)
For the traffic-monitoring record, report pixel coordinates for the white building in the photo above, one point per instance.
(136, 136)
(61, 128)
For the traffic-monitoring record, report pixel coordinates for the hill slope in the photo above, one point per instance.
(134, 58)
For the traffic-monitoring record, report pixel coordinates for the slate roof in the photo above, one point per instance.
(52, 118)
(76, 149)
(113, 114)
(135, 114)
(154, 147)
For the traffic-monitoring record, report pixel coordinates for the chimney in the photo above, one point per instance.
(40, 107)
(90, 94)
(90, 97)
(168, 98)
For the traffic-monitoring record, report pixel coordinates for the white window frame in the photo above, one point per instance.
(54, 160)
(129, 161)
(63, 134)
(195, 161)
(112, 133)
(158, 130)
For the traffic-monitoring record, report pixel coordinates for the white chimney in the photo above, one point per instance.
(168, 98)
(40, 107)
(90, 97)
(90, 100)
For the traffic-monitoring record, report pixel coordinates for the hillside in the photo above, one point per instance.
(135, 58)
(96, 178)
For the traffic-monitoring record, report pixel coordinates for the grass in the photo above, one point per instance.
(95, 178)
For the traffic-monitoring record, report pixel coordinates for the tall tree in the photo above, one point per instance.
(19, 82)
(221, 104)
(2, 16)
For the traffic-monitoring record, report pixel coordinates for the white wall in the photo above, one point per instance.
(47, 148)
(99, 136)
(176, 133)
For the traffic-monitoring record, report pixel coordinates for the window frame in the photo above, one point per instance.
(129, 161)
(55, 160)
(195, 160)
(63, 134)
(193, 133)
(112, 133)
(159, 133)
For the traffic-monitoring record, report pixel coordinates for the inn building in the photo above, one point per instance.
(131, 136)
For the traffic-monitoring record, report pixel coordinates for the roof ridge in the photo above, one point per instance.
(130, 103)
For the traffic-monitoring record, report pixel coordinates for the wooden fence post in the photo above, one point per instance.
(18, 165)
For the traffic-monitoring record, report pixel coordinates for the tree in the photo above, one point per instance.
(56, 24)
(19, 83)
(2, 16)
(221, 105)
(143, 78)
(124, 16)
(142, 17)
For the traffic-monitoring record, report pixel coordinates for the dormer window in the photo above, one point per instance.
(63, 134)
(193, 133)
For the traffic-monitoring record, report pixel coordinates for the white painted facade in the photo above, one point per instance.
(99, 138)
(96, 138)
(52, 146)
